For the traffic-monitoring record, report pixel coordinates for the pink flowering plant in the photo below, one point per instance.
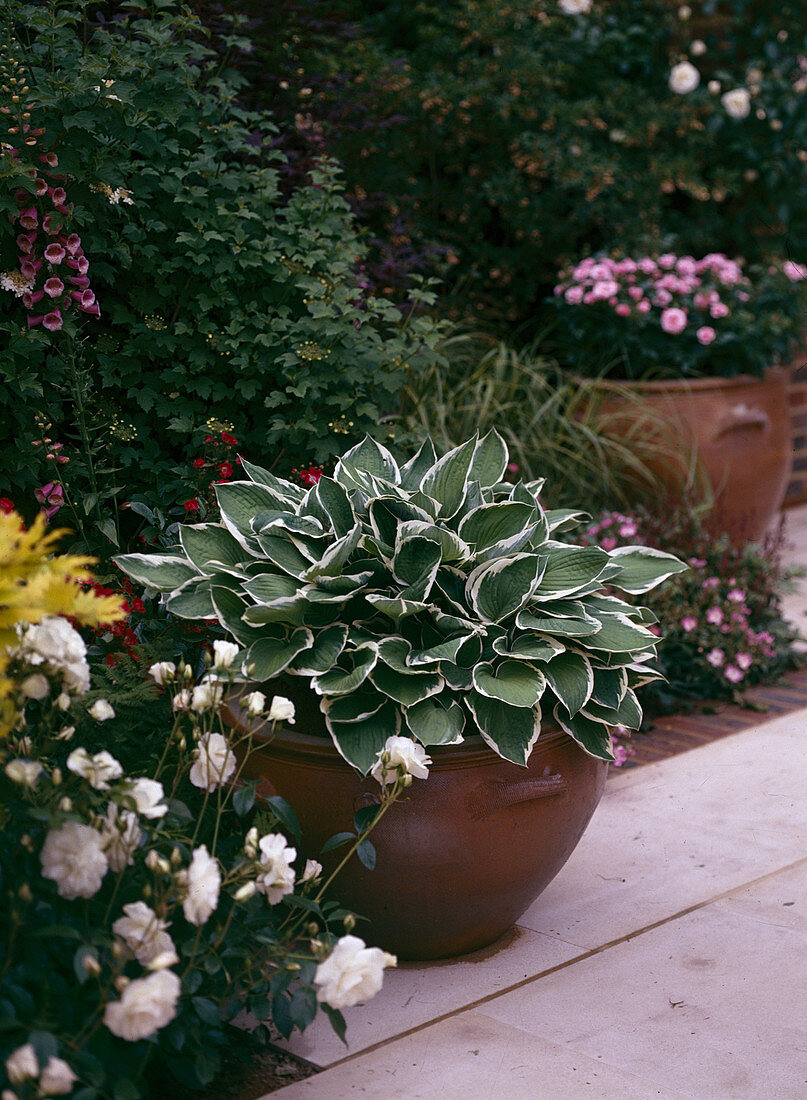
(721, 620)
(149, 895)
(672, 316)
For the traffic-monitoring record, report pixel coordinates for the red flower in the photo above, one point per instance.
(198, 463)
(226, 470)
(228, 438)
(6, 505)
(208, 439)
(138, 605)
(192, 505)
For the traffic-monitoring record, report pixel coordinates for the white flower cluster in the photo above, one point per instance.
(55, 644)
(55, 1079)
(399, 758)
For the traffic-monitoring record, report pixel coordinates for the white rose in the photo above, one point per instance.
(224, 653)
(57, 1078)
(163, 672)
(575, 7)
(120, 835)
(312, 870)
(66, 734)
(36, 686)
(204, 881)
(714, 86)
(737, 103)
(352, 973)
(254, 703)
(697, 48)
(403, 753)
(147, 794)
(101, 711)
(22, 1064)
(73, 857)
(684, 77)
(182, 700)
(276, 875)
(24, 772)
(143, 932)
(146, 1005)
(99, 770)
(54, 642)
(63, 701)
(214, 762)
(206, 696)
(281, 710)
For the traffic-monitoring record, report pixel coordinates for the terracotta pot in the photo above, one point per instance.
(462, 856)
(727, 439)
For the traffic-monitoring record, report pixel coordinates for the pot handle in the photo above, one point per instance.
(741, 416)
(496, 794)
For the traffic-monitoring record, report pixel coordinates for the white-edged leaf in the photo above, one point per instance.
(293, 493)
(510, 731)
(267, 657)
(618, 634)
(502, 587)
(360, 742)
(593, 737)
(490, 460)
(434, 723)
(422, 460)
(210, 544)
(323, 653)
(572, 679)
(165, 572)
(368, 457)
(406, 688)
(514, 682)
(360, 704)
(526, 647)
(443, 651)
(446, 481)
(415, 565)
(395, 607)
(335, 502)
(335, 557)
(643, 568)
(569, 569)
(342, 680)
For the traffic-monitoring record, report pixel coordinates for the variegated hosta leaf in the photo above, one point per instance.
(355, 668)
(490, 460)
(360, 742)
(528, 647)
(628, 713)
(406, 688)
(642, 568)
(323, 653)
(240, 501)
(165, 572)
(514, 682)
(566, 627)
(291, 493)
(610, 685)
(208, 545)
(510, 731)
(502, 587)
(270, 656)
(415, 566)
(591, 735)
(569, 569)
(571, 678)
(335, 502)
(446, 481)
(434, 722)
(618, 634)
(493, 523)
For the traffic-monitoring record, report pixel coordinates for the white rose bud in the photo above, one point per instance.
(245, 892)
(24, 772)
(21, 1064)
(254, 703)
(163, 672)
(101, 711)
(224, 653)
(63, 701)
(312, 870)
(57, 1078)
(206, 696)
(66, 804)
(182, 700)
(684, 78)
(697, 48)
(66, 734)
(91, 965)
(251, 843)
(714, 86)
(737, 103)
(281, 710)
(35, 687)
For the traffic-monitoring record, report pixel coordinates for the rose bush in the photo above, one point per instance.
(142, 912)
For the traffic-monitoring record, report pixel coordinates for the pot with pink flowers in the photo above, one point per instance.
(692, 381)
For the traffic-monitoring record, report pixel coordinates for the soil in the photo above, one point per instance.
(243, 1076)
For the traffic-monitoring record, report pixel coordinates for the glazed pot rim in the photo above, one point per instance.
(778, 374)
(473, 749)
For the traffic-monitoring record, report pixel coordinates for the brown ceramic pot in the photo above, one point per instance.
(465, 852)
(724, 438)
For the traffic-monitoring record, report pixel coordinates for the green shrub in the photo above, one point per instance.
(223, 304)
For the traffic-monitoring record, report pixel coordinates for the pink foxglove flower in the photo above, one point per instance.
(54, 253)
(54, 287)
(52, 321)
(29, 219)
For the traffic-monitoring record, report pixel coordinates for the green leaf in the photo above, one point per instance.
(269, 656)
(337, 1021)
(278, 485)
(591, 736)
(494, 523)
(452, 547)
(502, 587)
(443, 651)
(367, 457)
(230, 608)
(406, 688)
(338, 840)
(285, 815)
(266, 587)
(344, 680)
(244, 797)
(192, 601)
(336, 504)
(435, 722)
(240, 501)
(415, 565)
(284, 552)
(513, 682)
(571, 678)
(366, 853)
(528, 647)
(165, 572)
(510, 731)
(210, 544)
(333, 560)
(490, 460)
(569, 569)
(446, 481)
(359, 743)
(422, 460)
(360, 704)
(610, 685)
(618, 634)
(628, 713)
(323, 654)
(396, 607)
(643, 568)
(565, 519)
(566, 627)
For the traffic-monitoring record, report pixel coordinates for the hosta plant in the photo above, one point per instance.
(431, 600)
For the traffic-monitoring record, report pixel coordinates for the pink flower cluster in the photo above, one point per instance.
(53, 266)
(679, 293)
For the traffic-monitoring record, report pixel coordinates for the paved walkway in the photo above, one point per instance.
(667, 959)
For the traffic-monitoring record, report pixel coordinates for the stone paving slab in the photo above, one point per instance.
(693, 850)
